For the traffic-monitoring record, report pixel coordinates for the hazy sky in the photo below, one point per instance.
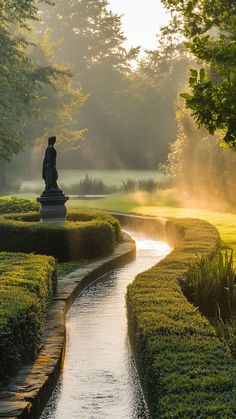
(141, 21)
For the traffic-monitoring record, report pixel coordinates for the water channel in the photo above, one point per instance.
(99, 379)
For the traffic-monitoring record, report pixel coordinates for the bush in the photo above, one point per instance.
(129, 185)
(87, 235)
(14, 205)
(147, 185)
(210, 284)
(185, 369)
(89, 186)
(27, 283)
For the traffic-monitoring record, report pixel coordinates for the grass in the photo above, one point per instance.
(165, 206)
(65, 268)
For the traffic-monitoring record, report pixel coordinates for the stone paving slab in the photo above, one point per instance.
(27, 393)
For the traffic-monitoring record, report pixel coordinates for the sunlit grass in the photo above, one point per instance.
(165, 206)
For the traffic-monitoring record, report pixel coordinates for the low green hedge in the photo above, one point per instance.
(186, 371)
(89, 235)
(72, 216)
(13, 205)
(27, 283)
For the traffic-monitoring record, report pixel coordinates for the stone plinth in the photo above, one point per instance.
(53, 206)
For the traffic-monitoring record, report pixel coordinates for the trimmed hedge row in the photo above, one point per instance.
(13, 205)
(72, 216)
(88, 235)
(185, 369)
(27, 283)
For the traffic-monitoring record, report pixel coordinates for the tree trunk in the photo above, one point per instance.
(3, 183)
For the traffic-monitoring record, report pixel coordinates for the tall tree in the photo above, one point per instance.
(36, 95)
(211, 29)
(17, 78)
(92, 39)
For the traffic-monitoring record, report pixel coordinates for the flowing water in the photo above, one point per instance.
(99, 378)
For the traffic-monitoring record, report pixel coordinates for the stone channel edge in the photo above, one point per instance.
(27, 393)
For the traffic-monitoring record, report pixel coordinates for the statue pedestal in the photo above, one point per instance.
(53, 207)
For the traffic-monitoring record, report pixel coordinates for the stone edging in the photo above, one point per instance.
(28, 392)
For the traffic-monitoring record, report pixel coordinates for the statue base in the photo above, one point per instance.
(53, 207)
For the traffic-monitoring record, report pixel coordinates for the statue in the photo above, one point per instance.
(50, 174)
(52, 200)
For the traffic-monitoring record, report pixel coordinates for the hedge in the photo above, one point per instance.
(27, 283)
(186, 371)
(71, 240)
(72, 216)
(13, 205)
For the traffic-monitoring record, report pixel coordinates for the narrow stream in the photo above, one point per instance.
(99, 379)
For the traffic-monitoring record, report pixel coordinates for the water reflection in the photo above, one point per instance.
(99, 379)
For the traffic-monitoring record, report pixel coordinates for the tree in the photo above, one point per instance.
(37, 96)
(210, 26)
(93, 41)
(17, 78)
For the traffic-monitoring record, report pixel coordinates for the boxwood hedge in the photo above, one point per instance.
(27, 283)
(10, 205)
(185, 370)
(86, 235)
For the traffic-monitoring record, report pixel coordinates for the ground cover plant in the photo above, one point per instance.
(27, 283)
(185, 369)
(86, 235)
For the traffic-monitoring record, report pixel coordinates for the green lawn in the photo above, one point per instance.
(154, 205)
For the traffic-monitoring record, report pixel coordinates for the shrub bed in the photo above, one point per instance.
(27, 283)
(185, 369)
(87, 235)
(13, 205)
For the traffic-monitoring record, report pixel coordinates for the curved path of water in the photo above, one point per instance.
(99, 379)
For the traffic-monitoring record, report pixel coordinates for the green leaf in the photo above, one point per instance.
(202, 75)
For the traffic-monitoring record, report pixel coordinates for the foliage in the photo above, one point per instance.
(90, 186)
(210, 284)
(210, 26)
(19, 79)
(118, 133)
(129, 185)
(227, 334)
(37, 95)
(83, 216)
(86, 236)
(58, 101)
(14, 205)
(27, 283)
(185, 369)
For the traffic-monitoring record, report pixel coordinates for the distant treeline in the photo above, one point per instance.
(109, 107)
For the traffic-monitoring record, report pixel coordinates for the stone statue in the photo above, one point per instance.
(50, 174)
(52, 199)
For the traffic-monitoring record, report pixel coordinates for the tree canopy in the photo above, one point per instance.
(210, 26)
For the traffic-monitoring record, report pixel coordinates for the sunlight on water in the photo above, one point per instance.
(99, 378)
